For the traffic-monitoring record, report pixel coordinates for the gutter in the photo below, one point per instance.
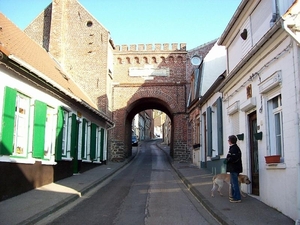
(60, 88)
(286, 24)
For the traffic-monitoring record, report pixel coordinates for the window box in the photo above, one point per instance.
(240, 136)
(196, 146)
(272, 159)
(258, 136)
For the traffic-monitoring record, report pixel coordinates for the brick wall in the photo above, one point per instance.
(79, 43)
(136, 89)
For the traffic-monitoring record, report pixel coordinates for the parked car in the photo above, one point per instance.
(134, 140)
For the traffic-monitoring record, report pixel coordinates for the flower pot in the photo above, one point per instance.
(272, 159)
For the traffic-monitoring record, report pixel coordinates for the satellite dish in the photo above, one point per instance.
(196, 60)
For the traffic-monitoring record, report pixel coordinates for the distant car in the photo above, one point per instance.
(134, 140)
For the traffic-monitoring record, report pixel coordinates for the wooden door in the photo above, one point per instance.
(253, 154)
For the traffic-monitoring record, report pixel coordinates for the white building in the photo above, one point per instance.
(49, 127)
(261, 98)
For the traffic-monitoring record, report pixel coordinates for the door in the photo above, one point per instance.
(253, 154)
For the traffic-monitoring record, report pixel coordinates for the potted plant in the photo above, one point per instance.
(272, 159)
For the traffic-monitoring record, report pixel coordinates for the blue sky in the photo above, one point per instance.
(194, 22)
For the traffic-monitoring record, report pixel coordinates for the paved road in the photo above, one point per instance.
(147, 191)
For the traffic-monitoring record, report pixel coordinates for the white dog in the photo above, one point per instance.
(219, 179)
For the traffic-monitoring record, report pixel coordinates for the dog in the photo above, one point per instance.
(219, 179)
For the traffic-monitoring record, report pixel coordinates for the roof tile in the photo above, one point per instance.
(18, 44)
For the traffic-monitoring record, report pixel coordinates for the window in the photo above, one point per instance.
(98, 144)
(86, 132)
(104, 143)
(21, 125)
(197, 130)
(214, 129)
(15, 124)
(43, 131)
(65, 134)
(49, 131)
(275, 126)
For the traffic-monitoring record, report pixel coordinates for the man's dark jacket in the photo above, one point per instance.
(234, 160)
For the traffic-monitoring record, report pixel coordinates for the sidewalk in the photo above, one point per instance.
(249, 212)
(32, 206)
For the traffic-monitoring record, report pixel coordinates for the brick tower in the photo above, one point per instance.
(80, 44)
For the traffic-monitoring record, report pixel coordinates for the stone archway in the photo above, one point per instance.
(141, 105)
(149, 78)
(143, 99)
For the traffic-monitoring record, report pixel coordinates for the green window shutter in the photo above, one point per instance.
(83, 149)
(93, 142)
(209, 131)
(102, 144)
(59, 134)
(73, 135)
(220, 126)
(40, 115)
(8, 121)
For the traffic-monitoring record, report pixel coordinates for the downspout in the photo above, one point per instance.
(285, 24)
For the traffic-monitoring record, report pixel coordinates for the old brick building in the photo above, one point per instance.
(149, 77)
(121, 80)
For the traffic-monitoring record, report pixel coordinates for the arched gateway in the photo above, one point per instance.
(149, 77)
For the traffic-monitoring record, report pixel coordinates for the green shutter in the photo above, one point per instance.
(83, 149)
(59, 134)
(93, 142)
(209, 131)
(8, 121)
(40, 116)
(102, 144)
(220, 126)
(73, 135)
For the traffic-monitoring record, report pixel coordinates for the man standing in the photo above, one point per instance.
(234, 167)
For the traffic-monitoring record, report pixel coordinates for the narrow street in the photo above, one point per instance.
(147, 191)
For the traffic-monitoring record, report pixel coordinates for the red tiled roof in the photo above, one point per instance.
(15, 43)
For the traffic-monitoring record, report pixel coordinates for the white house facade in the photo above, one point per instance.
(49, 128)
(260, 97)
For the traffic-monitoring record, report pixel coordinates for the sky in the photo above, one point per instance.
(194, 22)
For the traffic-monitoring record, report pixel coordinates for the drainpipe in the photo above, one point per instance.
(275, 13)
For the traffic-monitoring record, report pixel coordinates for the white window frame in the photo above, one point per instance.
(22, 112)
(273, 148)
(66, 139)
(49, 133)
(214, 130)
(105, 145)
(98, 144)
(79, 142)
(87, 140)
